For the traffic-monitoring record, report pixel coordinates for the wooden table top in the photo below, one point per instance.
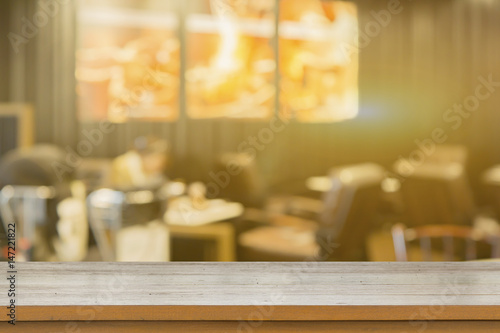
(320, 290)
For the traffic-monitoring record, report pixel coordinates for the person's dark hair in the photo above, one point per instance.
(148, 145)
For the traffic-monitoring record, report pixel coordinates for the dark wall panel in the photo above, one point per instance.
(4, 51)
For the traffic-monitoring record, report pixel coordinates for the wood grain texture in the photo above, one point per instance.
(261, 327)
(254, 313)
(271, 291)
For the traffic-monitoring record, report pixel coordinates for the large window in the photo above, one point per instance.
(231, 59)
(239, 58)
(127, 63)
(319, 74)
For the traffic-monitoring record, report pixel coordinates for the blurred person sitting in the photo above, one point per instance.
(142, 166)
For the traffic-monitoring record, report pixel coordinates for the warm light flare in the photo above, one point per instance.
(232, 74)
(226, 57)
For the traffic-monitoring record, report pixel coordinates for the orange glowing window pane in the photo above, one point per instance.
(127, 61)
(319, 74)
(231, 62)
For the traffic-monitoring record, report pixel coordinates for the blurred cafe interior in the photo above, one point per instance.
(238, 130)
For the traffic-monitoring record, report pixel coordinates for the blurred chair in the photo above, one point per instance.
(350, 208)
(447, 248)
(122, 232)
(239, 180)
(438, 193)
(26, 208)
(340, 231)
(105, 218)
(33, 181)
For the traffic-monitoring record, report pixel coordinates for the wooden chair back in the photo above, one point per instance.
(424, 236)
